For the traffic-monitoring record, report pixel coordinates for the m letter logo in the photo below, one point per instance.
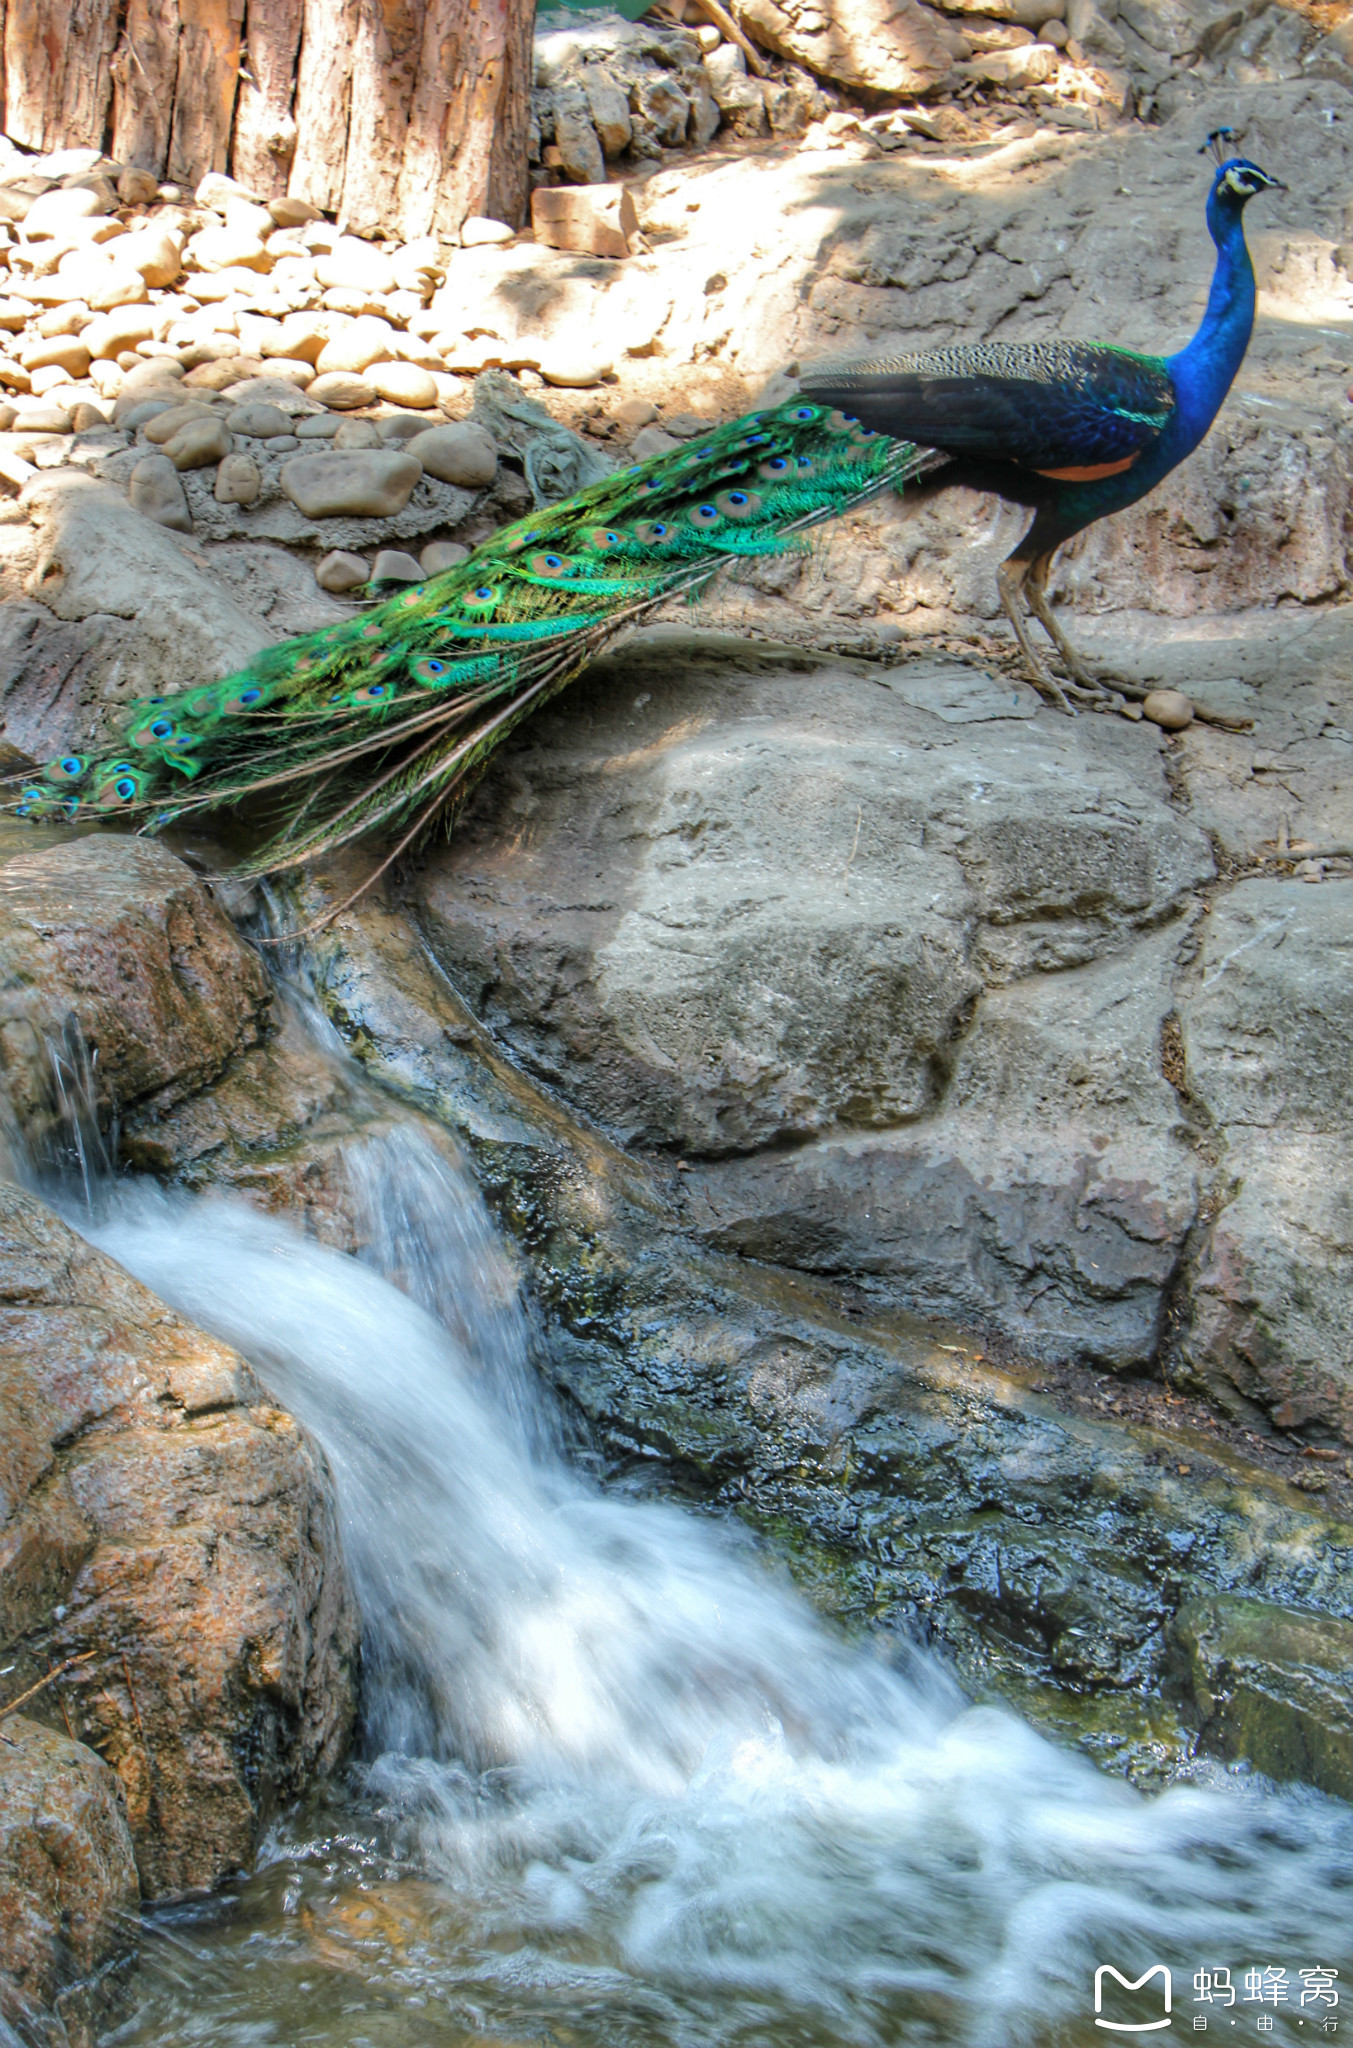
(1133, 1984)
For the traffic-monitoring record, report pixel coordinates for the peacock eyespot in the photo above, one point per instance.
(603, 537)
(775, 467)
(68, 767)
(806, 412)
(739, 504)
(552, 566)
(654, 532)
(704, 515)
(162, 728)
(804, 464)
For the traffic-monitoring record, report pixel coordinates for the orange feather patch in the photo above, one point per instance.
(1091, 475)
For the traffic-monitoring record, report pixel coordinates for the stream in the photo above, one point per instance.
(616, 1783)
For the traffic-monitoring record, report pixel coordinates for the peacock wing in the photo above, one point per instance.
(1045, 405)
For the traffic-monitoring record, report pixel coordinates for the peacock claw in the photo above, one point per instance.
(1024, 585)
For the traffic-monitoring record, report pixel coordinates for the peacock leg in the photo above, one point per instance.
(1107, 691)
(1010, 583)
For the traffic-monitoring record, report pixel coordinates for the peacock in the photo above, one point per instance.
(383, 721)
(1073, 429)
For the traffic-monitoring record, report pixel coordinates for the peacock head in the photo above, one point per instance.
(1237, 179)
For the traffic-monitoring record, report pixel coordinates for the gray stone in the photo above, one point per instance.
(1273, 1686)
(341, 391)
(262, 422)
(322, 426)
(199, 444)
(401, 426)
(161, 427)
(340, 571)
(392, 565)
(440, 555)
(358, 434)
(581, 157)
(609, 110)
(157, 493)
(238, 481)
(356, 481)
(461, 454)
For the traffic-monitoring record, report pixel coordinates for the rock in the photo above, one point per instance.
(13, 376)
(155, 619)
(461, 454)
(156, 254)
(609, 110)
(356, 265)
(72, 920)
(218, 193)
(357, 481)
(156, 493)
(358, 434)
(579, 152)
(573, 372)
(1171, 710)
(260, 421)
(357, 346)
(227, 248)
(173, 1514)
(1265, 1330)
(162, 425)
(402, 384)
(321, 426)
(478, 233)
(42, 419)
(63, 351)
(136, 188)
(877, 46)
(1272, 1686)
(392, 565)
(1032, 65)
(339, 572)
(300, 336)
(401, 426)
(650, 441)
(634, 412)
(341, 392)
(599, 220)
(238, 481)
(69, 1895)
(199, 445)
(293, 213)
(440, 555)
(55, 212)
(224, 373)
(86, 418)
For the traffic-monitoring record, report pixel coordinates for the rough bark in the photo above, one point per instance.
(144, 71)
(58, 72)
(204, 92)
(384, 79)
(265, 128)
(465, 150)
(323, 92)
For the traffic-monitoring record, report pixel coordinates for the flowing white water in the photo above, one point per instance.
(621, 1785)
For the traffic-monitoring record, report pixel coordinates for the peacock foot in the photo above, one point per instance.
(1023, 590)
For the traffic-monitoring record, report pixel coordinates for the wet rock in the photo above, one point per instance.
(174, 1530)
(1267, 1324)
(1272, 1686)
(69, 1896)
(156, 493)
(461, 454)
(119, 935)
(238, 481)
(353, 481)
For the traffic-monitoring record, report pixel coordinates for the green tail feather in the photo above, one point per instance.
(382, 722)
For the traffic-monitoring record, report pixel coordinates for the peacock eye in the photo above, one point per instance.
(703, 515)
(803, 462)
(126, 788)
(33, 796)
(250, 696)
(72, 764)
(483, 593)
(775, 466)
(162, 728)
(805, 412)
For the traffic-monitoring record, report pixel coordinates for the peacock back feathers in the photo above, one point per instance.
(380, 722)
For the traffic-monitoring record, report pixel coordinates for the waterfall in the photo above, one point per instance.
(615, 1769)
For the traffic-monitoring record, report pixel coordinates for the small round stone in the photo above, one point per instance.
(237, 480)
(321, 426)
(440, 555)
(340, 571)
(392, 565)
(1171, 710)
(260, 421)
(479, 233)
(156, 492)
(341, 392)
(402, 384)
(358, 434)
(462, 454)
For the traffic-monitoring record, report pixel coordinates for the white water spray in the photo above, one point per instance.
(652, 1792)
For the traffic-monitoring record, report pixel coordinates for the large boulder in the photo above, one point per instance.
(163, 1522)
(68, 1888)
(883, 955)
(121, 937)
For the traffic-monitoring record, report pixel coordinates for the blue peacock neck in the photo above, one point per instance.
(1204, 372)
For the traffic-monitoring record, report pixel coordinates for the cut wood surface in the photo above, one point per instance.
(403, 117)
(265, 127)
(58, 60)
